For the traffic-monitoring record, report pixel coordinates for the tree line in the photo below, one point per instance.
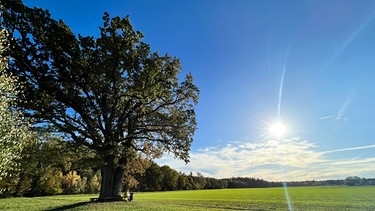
(246, 182)
(164, 178)
(51, 166)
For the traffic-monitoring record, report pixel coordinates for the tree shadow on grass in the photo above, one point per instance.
(70, 206)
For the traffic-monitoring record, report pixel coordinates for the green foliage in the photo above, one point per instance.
(51, 166)
(183, 182)
(199, 181)
(246, 182)
(71, 183)
(72, 172)
(212, 183)
(165, 178)
(170, 178)
(4, 44)
(93, 184)
(153, 179)
(110, 94)
(14, 127)
(50, 181)
(355, 181)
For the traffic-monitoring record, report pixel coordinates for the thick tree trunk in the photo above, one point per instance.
(111, 186)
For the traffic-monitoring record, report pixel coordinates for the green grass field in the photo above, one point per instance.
(301, 198)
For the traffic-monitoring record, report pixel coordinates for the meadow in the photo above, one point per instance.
(301, 198)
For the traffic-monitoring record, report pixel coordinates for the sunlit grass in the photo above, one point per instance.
(302, 198)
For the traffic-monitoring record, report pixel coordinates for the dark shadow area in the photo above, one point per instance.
(67, 207)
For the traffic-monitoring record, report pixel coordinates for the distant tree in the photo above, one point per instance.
(192, 185)
(183, 182)
(110, 94)
(371, 181)
(355, 181)
(153, 178)
(200, 181)
(247, 182)
(170, 178)
(222, 183)
(213, 183)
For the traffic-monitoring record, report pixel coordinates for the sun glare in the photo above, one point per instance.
(278, 129)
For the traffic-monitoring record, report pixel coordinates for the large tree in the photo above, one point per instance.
(109, 93)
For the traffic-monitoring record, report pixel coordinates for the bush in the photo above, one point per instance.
(93, 184)
(71, 183)
(50, 182)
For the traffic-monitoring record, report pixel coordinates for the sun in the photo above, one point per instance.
(278, 129)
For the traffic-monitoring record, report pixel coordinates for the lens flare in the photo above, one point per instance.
(278, 129)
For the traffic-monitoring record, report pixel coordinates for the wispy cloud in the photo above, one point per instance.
(328, 117)
(344, 106)
(350, 149)
(275, 160)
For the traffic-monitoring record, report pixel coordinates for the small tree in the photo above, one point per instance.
(183, 182)
(93, 184)
(71, 183)
(200, 181)
(50, 181)
(14, 127)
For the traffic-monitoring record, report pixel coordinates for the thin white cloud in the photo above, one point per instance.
(344, 106)
(328, 117)
(274, 160)
(350, 149)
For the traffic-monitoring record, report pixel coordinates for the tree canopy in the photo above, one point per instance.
(110, 93)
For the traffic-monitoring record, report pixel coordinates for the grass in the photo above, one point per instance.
(301, 198)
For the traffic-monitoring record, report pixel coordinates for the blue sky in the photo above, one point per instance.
(309, 64)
